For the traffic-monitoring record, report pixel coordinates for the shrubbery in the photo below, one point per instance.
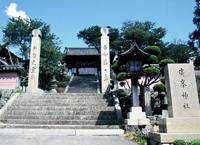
(121, 76)
(164, 62)
(61, 84)
(151, 71)
(152, 59)
(159, 87)
(183, 142)
(154, 50)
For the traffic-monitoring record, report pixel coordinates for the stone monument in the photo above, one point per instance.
(34, 61)
(105, 61)
(183, 106)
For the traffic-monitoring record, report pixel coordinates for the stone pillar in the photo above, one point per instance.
(105, 61)
(34, 61)
(134, 93)
(147, 101)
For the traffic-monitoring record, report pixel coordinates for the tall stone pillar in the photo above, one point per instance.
(34, 61)
(105, 61)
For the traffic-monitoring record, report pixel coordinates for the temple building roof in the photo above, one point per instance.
(80, 51)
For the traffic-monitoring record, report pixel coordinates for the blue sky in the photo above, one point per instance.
(68, 17)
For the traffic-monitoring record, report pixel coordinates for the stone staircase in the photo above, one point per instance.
(82, 84)
(60, 111)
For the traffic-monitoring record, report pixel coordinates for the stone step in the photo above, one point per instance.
(41, 103)
(60, 117)
(64, 96)
(63, 122)
(64, 101)
(36, 126)
(58, 108)
(50, 112)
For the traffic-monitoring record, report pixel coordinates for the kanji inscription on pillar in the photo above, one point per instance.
(105, 60)
(181, 90)
(34, 61)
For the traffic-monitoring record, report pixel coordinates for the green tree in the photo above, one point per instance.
(143, 33)
(91, 36)
(178, 51)
(194, 37)
(18, 32)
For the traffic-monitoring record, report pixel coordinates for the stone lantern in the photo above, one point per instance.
(134, 59)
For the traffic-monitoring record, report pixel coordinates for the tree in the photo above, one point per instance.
(194, 37)
(91, 36)
(178, 51)
(143, 33)
(18, 32)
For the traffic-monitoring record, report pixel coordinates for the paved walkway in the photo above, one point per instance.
(13, 139)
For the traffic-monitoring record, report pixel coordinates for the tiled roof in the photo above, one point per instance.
(80, 51)
(11, 68)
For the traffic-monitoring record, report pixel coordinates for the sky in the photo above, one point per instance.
(67, 17)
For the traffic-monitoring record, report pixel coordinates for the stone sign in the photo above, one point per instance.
(105, 60)
(181, 91)
(183, 106)
(34, 61)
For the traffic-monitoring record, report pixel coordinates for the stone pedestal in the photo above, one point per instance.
(183, 106)
(136, 117)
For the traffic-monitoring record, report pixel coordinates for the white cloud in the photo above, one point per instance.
(12, 12)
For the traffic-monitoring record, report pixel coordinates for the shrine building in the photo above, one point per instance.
(83, 61)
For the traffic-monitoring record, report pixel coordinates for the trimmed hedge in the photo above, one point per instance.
(194, 142)
(150, 71)
(162, 80)
(179, 142)
(154, 50)
(61, 84)
(164, 62)
(159, 88)
(121, 76)
(152, 59)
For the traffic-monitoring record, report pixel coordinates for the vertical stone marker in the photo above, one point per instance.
(34, 61)
(105, 60)
(183, 106)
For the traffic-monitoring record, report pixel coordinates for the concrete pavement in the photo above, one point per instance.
(20, 139)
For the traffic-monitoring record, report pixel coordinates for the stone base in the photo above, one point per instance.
(136, 117)
(181, 124)
(54, 91)
(170, 137)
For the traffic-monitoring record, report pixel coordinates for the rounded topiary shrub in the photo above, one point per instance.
(121, 76)
(152, 59)
(164, 62)
(159, 88)
(154, 50)
(150, 71)
(194, 142)
(61, 84)
(116, 68)
(179, 142)
(162, 80)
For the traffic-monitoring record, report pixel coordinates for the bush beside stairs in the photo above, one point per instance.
(86, 113)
